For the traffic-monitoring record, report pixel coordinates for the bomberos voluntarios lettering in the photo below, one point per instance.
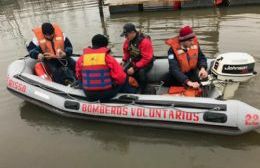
(139, 112)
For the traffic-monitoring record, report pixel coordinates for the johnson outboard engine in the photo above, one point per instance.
(229, 70)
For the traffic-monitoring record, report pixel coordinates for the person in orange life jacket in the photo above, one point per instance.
(187, 63)
(101, 75)
(137, 49)
(52, 47)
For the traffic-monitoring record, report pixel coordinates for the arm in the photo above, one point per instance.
(68, 47)
(175, 69)
(202, 60)
(34, 49)
(126, 55)
(116, 70)
(146, 50)
(79, 68)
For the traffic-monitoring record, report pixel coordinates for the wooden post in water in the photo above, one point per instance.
(102, 19)
(100, 6)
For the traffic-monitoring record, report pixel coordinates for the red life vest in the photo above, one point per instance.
(45, 44)
(186, 60)
(95, 72)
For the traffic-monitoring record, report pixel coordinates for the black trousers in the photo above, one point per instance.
(61, 70)
(108, 94)
(102, 95)
(142, 78)
(169, 80)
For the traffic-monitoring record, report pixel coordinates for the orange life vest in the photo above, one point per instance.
(188, 92)
(187, 60)
(45, 44)
(133, 82)
(40, 70)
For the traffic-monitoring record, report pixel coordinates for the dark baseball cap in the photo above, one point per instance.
(129, 27)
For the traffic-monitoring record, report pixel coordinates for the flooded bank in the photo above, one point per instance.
(117, 6)
(33, 137)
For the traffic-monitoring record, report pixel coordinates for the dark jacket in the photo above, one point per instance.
(34, 48)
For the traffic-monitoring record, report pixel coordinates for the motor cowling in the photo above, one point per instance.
(229, 70)
(234, 66)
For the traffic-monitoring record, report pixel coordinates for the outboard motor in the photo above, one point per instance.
(229, 70)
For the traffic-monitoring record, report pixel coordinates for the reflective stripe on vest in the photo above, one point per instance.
(46, 45)
(186, 60)
(95, 72)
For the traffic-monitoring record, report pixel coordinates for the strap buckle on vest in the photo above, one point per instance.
(42, 41)
(58, 38)
(194, 47)
(180, 51)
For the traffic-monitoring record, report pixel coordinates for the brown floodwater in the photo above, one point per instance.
(33, 137)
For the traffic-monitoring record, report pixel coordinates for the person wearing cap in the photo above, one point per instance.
(51, 46)
(187, 63)
(138, 51)
(102, 77)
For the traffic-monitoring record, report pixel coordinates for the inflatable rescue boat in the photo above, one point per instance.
(212, 113)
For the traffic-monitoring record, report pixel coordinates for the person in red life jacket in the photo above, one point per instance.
(138, 51)
(51, 46)
(187, 63)
(102, 77)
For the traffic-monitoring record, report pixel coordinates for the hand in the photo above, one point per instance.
(122, 63)
(194, 85)
(40, 57)
(130, 71)
(60, 53)
(49, 56)
(203, 73)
